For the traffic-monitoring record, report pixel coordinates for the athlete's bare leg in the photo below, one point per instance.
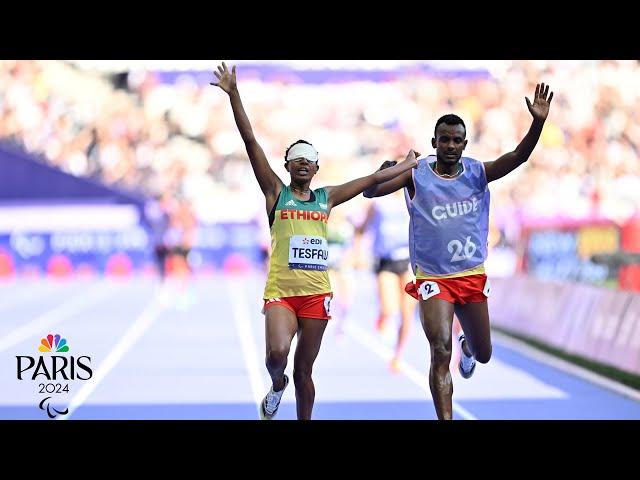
(474, 318)
(437, 317)
(309, 340)
(281, 325)
(388, 297)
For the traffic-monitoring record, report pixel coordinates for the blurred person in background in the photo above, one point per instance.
(340, 236)
(388, 222)
(448, 200)
(181, 236)
(157, 215)
(298, 293)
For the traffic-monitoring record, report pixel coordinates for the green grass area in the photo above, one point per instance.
(626, 378)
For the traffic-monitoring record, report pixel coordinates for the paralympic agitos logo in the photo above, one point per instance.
(53, 370)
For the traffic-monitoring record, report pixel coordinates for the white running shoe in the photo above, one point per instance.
(271, 402)
(467, 365)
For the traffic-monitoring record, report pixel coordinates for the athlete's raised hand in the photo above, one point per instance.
(511, 160)
(269, 182)
(226, 80)
(411, 159)
(540, 107)
(411, 156)
(387, 164)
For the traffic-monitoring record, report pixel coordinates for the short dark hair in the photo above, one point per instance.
(450, 119)
(291, 146)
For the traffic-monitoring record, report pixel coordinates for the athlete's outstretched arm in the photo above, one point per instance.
(512, 160)
(269, 182)
(401, 181)
(341, 193)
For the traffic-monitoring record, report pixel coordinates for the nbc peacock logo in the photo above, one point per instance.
(53, 343)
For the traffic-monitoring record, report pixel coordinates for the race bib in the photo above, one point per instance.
(487, 288)
(327, 303)
(428, 290)
(307, 252)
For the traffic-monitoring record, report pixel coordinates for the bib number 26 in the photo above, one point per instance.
(459, 252)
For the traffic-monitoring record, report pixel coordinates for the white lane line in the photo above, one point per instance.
(241, 318)
(156, 305)
(39, 325)
(365, 339)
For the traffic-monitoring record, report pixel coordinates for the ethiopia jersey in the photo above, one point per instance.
(300, 251)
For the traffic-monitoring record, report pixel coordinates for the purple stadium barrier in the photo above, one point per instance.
(596, 323)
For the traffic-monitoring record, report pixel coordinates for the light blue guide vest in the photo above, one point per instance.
(449, 222)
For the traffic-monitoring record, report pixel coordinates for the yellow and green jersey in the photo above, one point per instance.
(300, 252)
